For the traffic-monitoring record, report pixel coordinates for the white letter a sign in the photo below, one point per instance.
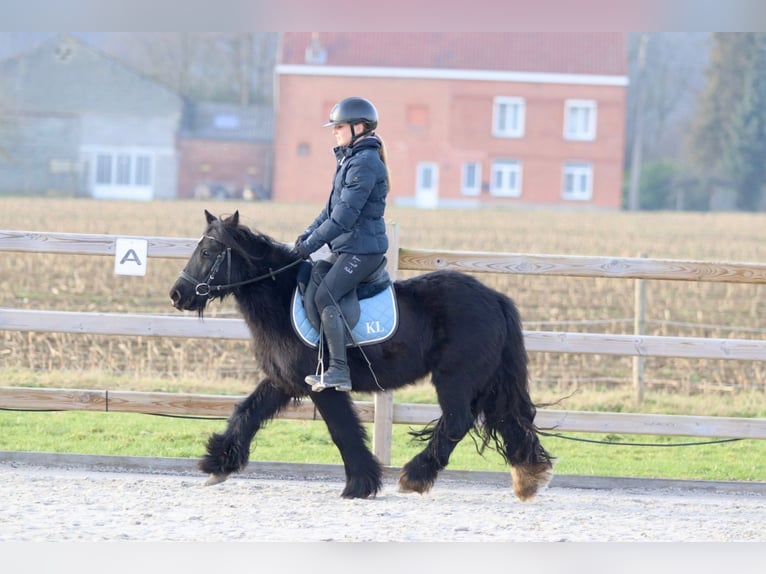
(130, 256)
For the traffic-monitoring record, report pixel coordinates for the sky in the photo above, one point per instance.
(392, 15)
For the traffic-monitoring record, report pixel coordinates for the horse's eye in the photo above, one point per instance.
(205, 253)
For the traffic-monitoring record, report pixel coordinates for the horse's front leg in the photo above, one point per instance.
(229, 452)
(363, 471)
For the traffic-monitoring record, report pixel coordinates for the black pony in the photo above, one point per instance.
(465, 335)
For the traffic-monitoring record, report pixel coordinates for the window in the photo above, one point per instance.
(580, 120)
(506, 178)
(508, 117)
(122, 173)
(226, 121)
(123, 168)
(143, 170)
(471, 178)
(417, 116)
(103, 169)
(578, 181)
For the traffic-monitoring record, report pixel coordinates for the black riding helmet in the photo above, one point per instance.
(354, 111)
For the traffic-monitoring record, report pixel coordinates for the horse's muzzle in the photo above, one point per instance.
(175, 298)
(185, 299)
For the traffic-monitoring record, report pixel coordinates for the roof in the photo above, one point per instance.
(66, 75)
(591, 53)
(229, 122)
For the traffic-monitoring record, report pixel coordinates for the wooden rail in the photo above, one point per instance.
(383, 412)
(429, 260)
(90, 244)
(403, 413)
(583, 266)
(543, 341)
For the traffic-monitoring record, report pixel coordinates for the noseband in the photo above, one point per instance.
(205, 289)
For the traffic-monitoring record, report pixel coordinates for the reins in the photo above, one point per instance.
(205, 289)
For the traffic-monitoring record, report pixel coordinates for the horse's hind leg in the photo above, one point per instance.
(363, 471)
(531, 465)
(229, 452)
(530, 477)
(420, 473)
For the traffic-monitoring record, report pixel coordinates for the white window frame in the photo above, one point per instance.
(577, 181)
(471, 187)
(508, 117)
(506, 180)
(580, 117)
(123, 173)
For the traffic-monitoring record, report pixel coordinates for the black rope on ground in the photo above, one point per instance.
(189, 417)
(613, 443)
(543, 433)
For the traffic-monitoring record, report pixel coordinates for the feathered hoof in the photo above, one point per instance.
(529, 479)
(215, 479)
(361, 487)
(351, 494)
(409, 485)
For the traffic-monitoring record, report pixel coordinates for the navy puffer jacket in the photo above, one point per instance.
(352, 221)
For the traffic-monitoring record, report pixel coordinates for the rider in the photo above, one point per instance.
(351, 224)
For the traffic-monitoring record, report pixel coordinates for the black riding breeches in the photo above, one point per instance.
(347, 271)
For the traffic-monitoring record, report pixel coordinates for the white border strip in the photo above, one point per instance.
(451, 74)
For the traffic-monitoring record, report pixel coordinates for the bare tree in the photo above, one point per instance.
(666, 75)
(5, 128)
(220, 66)
(669, 83)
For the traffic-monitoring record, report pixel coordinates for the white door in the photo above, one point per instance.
(427, 185)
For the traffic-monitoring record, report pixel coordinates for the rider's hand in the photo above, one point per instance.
(300, 251)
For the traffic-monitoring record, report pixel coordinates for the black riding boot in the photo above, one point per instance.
(337, 375)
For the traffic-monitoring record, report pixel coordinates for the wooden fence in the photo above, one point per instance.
(382, 412)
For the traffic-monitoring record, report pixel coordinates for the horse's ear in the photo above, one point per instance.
(210, 217)
(235, 219)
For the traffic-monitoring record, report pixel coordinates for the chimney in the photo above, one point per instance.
(315, 52)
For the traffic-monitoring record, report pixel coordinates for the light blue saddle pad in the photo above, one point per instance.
(377, 321)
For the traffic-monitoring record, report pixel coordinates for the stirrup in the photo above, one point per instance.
(318, 380)
(319, 383)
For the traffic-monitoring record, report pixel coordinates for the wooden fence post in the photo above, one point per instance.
(383, 423)
(639, 329)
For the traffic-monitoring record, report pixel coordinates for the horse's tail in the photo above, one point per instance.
(508, 411)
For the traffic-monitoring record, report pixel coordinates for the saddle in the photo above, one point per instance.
(370, 311)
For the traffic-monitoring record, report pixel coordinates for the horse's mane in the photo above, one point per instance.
(252, 246)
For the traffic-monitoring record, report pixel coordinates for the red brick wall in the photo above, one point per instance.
(232, 163)
(459, 126)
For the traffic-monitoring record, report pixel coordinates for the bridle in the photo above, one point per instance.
(205, 289)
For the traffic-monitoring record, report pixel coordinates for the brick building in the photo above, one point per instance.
(225, 151)
(468, 118)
